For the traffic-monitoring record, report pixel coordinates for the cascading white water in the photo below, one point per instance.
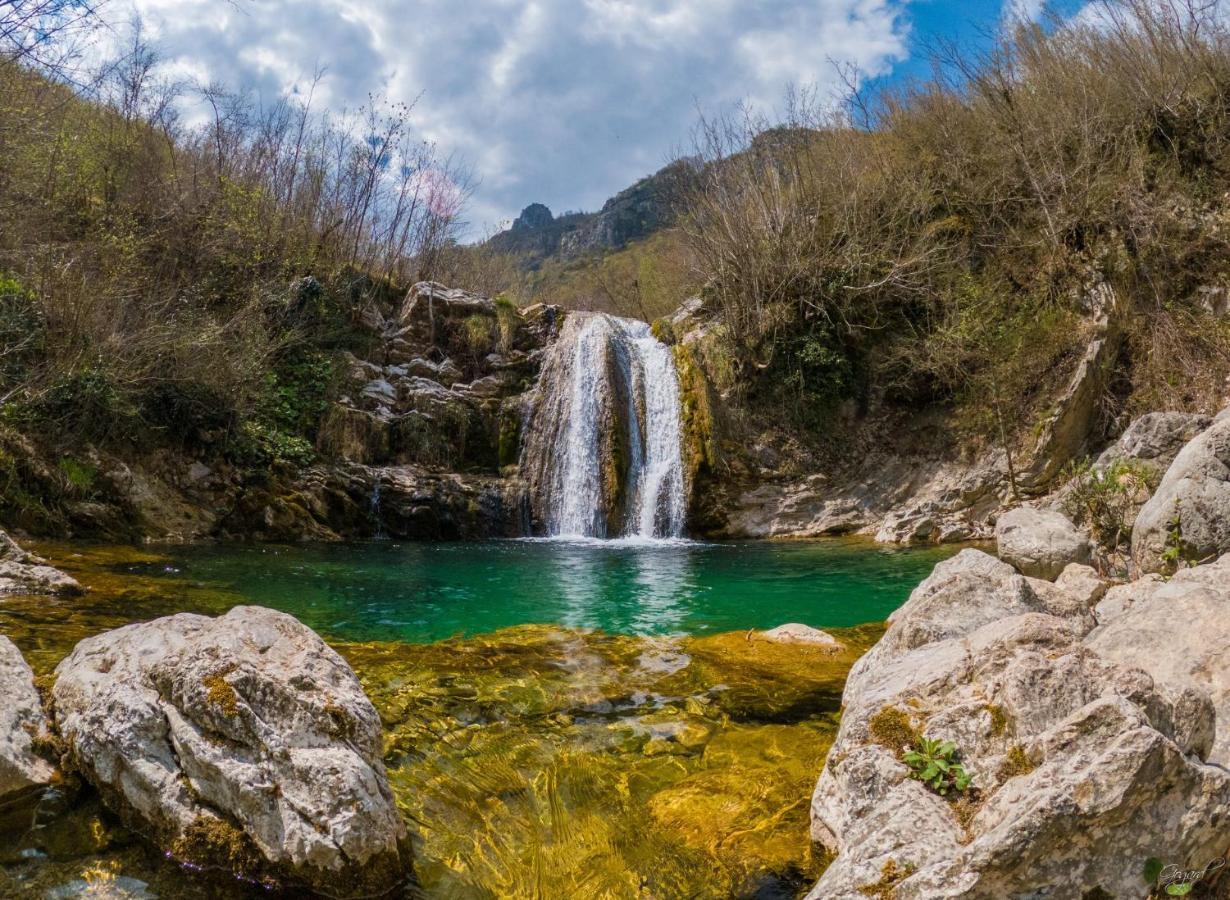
(659, 506)
(577, 509)
(609, 407)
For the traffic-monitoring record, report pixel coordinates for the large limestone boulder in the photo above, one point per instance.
(25, 573)
(22, 723)
(243, 742)
(1154, 440)
(1040, 543)
(1082, 767)
(1176, 631)
(1194, 495)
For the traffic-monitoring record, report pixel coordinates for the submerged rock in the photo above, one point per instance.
(22, 723)
(794, 633)
(1040, 542)
(242, 742)
(25, 573)
(1082, 767)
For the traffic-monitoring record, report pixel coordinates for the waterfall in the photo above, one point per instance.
(603, 447)
(376, 513)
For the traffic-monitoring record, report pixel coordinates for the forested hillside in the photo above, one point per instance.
(926, 264)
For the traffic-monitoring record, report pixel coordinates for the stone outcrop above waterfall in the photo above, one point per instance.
(446, 387)
(242, 742)
(603, 448)
(1086, 760)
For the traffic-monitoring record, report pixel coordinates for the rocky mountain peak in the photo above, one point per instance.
(536, 215)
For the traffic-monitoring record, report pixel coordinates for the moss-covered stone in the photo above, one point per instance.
(1016, 762)
(893, 729)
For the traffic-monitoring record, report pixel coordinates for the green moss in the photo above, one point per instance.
(509, 451)
(1016, 762)
(891, 875)
(999, 719)
(700, 448)
(221, 694)
(663, 331)
(211, 841)
(892, 729)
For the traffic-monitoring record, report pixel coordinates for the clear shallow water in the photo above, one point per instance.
(427, 592)
(561, 719)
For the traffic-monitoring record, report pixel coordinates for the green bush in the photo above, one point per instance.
(1105, 500)
(85, 404)
(22, 330)
(188, 412)
(260, 444)
(937, 765)
(80, 476)
(287, 411)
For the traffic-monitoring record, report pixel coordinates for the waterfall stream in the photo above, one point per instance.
(604, 445)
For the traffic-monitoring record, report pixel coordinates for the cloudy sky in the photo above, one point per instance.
(563, 102)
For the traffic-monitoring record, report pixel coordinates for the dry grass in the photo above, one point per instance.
(938, 243)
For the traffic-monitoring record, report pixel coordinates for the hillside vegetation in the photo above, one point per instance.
(943, 245)
(167, 285)
(938, 249)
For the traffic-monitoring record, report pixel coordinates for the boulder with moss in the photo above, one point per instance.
(1081, 768)
(242, 742)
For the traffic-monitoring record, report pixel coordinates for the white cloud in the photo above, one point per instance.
(1018, 11)
(558, 101)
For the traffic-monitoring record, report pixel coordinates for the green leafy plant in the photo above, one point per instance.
(1106, 499)
(937, 765)
(1176, 553)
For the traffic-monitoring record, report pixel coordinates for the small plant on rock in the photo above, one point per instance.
(937, 765)
(1106, 500)
(1176, 553)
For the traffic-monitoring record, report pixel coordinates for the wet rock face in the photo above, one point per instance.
(446, 386)
(22, 723)
(243, 742)
(1083, 765)
(329, 503)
